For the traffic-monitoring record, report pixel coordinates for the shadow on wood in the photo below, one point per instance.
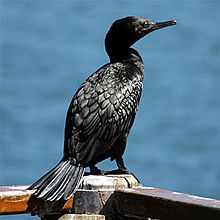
(39, 207)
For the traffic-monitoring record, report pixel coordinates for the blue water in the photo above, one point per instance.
(48, 48)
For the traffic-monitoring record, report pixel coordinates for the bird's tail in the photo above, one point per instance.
(60, 182)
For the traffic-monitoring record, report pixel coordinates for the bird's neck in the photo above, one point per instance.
(129, 55)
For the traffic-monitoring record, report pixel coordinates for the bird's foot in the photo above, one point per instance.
(96, 171)
(119, 171)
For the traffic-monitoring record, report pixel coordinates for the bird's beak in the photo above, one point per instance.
(158, 25)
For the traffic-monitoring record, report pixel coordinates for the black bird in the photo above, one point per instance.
(102, 111)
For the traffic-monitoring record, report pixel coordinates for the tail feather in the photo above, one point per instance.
(57, 192)
(52, 182)
(47, 176)
(73, 183)
(60, 182)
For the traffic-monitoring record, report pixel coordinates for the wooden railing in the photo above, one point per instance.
(162, 204)
(115, 197)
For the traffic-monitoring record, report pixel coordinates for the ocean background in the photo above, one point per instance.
(48, 48)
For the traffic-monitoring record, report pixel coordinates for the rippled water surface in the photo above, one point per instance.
(50, 47)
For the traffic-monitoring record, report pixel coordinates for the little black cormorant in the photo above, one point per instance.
(101, 112)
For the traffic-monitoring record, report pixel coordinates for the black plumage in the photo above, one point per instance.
(102, 111)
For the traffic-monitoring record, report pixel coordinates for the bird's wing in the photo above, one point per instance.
(102, 109)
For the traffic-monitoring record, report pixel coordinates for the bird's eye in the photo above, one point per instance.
(145, 24)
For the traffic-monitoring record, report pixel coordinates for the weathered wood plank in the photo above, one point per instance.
(14, 200)
(82, 217)
(161, 204)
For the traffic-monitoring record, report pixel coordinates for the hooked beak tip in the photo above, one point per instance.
(174, 22)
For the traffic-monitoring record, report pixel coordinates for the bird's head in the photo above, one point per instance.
(126, 31)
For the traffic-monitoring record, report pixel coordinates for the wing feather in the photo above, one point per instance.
(102, 110)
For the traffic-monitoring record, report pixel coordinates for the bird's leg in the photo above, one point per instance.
(121, 165)
(123, 169)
